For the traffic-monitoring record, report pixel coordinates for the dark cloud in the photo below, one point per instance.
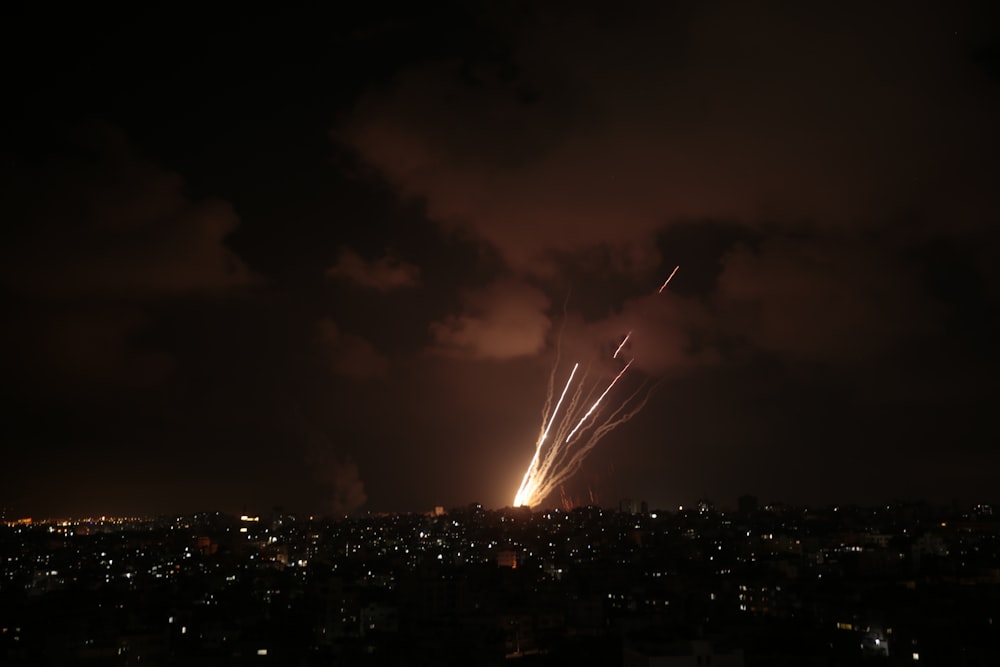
(348, 490)
(622, 126)
(98, 237)
(349, 355)
(341, 488)
(824, 300)
(102, 221)
(383, 274)
(807, 127)
(69, 351)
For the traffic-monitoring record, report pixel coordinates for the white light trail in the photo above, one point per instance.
(545, 433)
(667, 281)
(598, 401)
(561, 397)
(621, 345)
(555, 460)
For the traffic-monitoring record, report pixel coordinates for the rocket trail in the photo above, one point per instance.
(545, 433)
(598, 401)
(621, 345)
(579, 430)
(667, 281)
(561, 397)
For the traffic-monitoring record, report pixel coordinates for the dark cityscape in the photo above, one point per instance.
(764, 584)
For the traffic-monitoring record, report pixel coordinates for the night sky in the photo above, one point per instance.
(324, 259)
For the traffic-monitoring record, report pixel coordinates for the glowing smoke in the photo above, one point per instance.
(569, 433)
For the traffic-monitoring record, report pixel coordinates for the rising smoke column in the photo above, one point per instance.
(569, 433)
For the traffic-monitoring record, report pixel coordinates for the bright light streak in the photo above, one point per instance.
(621, 345)
(598, 401)
(541, 439)
(561, 397)
(555, 460)
(667, 281)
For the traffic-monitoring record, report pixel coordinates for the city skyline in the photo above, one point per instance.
(476, 586)
(330, 260)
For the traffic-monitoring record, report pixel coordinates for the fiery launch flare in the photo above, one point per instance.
(579, 428)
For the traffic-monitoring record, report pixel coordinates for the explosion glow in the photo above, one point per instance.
(578, 430)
